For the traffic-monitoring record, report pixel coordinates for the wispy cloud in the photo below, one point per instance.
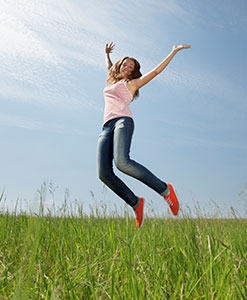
(43, 43)
(40, 46)
(16, 121)
(210, 143)
(8, 120)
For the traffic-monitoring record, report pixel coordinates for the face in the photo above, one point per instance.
(127, 67)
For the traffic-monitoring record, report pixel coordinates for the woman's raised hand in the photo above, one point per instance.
(180, 47)
(109, 48)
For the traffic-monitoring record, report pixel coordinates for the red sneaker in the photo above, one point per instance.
(172, 200)
(139, 213)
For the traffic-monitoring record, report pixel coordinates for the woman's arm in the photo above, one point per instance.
(108, 49)
(135, 84)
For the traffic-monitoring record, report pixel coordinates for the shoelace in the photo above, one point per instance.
(169, 201)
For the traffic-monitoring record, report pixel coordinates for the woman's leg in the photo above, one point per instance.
(124, 128)
(105, 167)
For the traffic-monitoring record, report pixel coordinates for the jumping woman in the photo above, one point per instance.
(124, 81)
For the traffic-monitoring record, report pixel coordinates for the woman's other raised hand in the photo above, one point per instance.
(180, 47)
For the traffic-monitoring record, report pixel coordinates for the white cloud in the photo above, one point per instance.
(38, 43)
(16, 121)
(205, 84)
(17, 40)
(21, 122)
(43, 42)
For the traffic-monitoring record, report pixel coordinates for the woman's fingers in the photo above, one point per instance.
(185, 46)
(109, 47)
(180, 47)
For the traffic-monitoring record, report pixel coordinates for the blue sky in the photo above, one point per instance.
(190, 121)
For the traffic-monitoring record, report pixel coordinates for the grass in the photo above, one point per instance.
(97, 257)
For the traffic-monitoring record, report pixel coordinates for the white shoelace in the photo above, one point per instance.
(169, 201)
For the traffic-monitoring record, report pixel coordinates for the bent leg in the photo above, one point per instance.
(122, 141)
(105, 168)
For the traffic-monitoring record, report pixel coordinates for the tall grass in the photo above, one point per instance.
(99, 257)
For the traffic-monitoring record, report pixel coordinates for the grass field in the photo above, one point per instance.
(82, 257)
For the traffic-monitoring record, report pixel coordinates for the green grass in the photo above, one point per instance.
(70, 257)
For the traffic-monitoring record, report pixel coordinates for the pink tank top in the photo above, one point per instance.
(117, 101)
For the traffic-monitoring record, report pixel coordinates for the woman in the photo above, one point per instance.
(125, 80)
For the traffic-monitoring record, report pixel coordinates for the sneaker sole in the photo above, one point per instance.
(142, 213)
(174, 190)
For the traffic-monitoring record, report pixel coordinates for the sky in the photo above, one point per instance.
(190, 121)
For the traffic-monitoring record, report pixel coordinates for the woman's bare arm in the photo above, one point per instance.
(135, 84)
(108, 49)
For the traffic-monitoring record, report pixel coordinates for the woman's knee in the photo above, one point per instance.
(122, 164)
(105, 176)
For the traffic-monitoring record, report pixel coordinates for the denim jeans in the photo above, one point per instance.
(114, 143)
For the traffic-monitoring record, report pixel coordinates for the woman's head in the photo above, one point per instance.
(127, 68)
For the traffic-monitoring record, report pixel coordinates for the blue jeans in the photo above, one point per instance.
(114, 143)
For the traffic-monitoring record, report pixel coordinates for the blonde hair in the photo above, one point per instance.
(115, 76)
